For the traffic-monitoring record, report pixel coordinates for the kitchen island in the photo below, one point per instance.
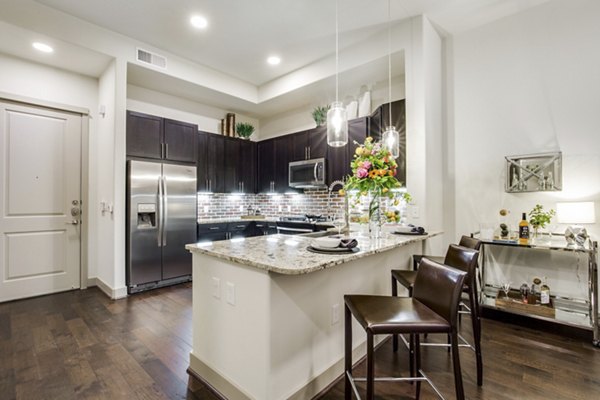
(268, 314)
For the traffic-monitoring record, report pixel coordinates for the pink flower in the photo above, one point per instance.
(366, 164)
(361, 172)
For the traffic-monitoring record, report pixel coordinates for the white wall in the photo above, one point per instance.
(207, 118)
(525, 84)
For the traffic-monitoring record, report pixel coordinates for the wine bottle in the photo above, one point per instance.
(524, 230)
(545, 293)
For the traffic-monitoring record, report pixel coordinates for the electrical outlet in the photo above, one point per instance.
(414, 211)
(216, 287)
(230, 293)
(335, 313)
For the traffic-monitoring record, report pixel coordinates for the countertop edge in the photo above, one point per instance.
(194, 248)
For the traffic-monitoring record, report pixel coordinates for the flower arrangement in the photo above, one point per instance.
(374, 172)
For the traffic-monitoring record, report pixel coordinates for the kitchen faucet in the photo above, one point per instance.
(335, 183)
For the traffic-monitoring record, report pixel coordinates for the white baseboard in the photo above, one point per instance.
(115, 294)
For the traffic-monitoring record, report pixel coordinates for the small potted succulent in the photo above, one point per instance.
(244, 130)
(319, 114)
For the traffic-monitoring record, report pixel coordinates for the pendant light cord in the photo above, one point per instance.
(337, 51)
(390, 60)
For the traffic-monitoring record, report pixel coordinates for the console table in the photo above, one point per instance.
(488, 292)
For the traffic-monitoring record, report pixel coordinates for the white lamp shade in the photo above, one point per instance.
(337, 125)
(580, 212)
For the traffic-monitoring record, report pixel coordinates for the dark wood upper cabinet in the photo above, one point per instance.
(309, 144)
(180, 141)
(247, 165)
(215, 156)
(202, 162)
(144, 135)
(266, 165)
(282, 154)
(149, 136)
(230, 162)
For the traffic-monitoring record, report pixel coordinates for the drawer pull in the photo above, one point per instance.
(214, 228)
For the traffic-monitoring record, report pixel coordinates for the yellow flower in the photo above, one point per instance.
(369, 139)
(385, 190)
(341, 192)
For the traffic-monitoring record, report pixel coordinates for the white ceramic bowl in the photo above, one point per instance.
(403, 229)
(326, 242)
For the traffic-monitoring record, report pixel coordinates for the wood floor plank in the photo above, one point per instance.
(81, 332)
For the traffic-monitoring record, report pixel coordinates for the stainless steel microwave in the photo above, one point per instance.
(307, 174)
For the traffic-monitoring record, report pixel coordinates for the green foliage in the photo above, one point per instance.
(538, 218)
(244, 129)
(319, 114)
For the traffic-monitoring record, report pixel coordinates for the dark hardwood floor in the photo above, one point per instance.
(81, 345)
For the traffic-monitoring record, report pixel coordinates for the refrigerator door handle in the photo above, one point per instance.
(160, 212)
(165, 211)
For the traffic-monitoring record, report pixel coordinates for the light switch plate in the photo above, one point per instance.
(216, 287)
(230, 293)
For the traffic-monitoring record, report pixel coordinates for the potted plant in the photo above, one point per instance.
(319, 114)
(244, 130)
(538, 218)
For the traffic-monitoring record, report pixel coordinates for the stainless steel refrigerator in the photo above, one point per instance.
(161, 219)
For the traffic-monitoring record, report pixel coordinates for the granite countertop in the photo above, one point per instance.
(287, 254)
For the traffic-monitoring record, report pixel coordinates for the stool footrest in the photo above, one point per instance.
(464, 343)
(422, 378)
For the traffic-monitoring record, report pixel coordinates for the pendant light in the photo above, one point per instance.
(390, 138)
(337, 119)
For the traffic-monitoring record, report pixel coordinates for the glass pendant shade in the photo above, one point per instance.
(391, 141)
(337, 125)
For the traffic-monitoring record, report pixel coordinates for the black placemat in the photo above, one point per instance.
(318, 251)
(410, 233)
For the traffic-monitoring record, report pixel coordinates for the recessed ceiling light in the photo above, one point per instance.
(42, 47)
(198, 21)
(274, 60)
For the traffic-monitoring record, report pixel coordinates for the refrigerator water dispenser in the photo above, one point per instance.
(146, 215)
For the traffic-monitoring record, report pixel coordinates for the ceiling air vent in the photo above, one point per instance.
(153, 59)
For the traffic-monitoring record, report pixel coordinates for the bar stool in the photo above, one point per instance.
(432, 309)
(464, 259)
(465, 241)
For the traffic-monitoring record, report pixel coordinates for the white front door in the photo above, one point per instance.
(40, 199)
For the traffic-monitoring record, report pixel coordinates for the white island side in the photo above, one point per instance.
(268, 314)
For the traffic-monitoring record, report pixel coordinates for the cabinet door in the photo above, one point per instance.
(231, 159)
(180, 141)
(202, 162)
(144, 135)
(299, 146)
(283, 151)
(215, 163)
(318, 142)
(246, 166)
(266, 165)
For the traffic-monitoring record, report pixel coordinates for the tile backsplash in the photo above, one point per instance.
(222, 205)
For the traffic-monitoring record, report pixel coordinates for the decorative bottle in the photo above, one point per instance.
(545, 293)
(524, 230)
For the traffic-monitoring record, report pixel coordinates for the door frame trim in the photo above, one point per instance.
(83, 167)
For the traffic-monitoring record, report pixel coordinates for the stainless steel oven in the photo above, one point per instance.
(307, 173)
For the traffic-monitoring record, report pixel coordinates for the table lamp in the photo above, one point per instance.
(575, 214)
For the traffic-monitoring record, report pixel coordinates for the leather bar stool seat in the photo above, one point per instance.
(432, 309)
(465, 259)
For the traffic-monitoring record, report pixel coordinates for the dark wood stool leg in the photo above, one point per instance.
(394, 293)
(476, 322)
(417, 343)
(460, 394)
(347, 352)
(370, 368)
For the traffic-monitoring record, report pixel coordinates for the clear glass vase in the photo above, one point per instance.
(375, 217)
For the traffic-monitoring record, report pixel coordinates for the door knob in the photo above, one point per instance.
(75, 211)
(73, 222)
